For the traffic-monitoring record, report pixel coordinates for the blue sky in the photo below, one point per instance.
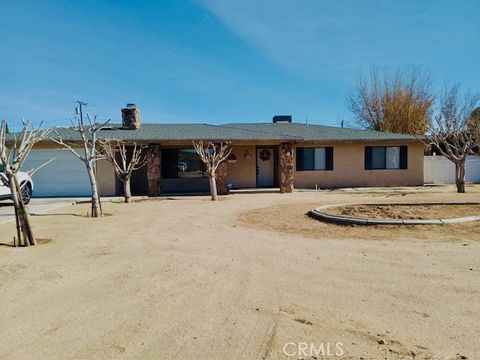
(220, 61)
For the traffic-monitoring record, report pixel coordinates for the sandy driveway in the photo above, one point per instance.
(36, 206)
(192, 279)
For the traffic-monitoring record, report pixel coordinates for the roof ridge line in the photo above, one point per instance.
(260, 131)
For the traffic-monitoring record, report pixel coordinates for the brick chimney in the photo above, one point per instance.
(130, 117)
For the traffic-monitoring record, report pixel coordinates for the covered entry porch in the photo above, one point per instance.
(178, 169)
(253, 166)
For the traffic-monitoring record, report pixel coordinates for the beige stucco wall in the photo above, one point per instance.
(243, 173)
(349, 168)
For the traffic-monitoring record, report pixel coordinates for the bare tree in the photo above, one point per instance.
(89, 143)
(125, 165)
(455, 130)
(12, 158)
(399, 101)
(475, 121)
(212, 156)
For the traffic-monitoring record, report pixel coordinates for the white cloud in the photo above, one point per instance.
(313, 37)
(298, 34)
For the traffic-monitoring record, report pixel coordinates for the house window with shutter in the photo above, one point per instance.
(314, 158)
(386, 157)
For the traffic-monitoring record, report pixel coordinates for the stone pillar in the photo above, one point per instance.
(287, 168)
(154, 161)
(221, 179)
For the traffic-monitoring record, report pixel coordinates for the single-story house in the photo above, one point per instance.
(281, 154)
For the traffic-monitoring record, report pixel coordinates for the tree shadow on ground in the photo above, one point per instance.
(40, 241)
(46, 215)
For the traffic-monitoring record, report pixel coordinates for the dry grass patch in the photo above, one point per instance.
(406, 211)
(294, 219)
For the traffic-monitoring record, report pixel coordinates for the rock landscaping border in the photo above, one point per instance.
(319, 214)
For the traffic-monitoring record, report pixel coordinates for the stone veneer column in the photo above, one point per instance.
(221, 179)
(131, 118)
(154, 169)
(287, 168)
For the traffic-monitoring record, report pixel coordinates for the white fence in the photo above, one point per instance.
(440, 170)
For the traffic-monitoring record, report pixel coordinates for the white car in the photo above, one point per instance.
(26, 185)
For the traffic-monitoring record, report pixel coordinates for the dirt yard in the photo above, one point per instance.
(406, 211)
(242, 278)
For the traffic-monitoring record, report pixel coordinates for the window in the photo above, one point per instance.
(1, 168)
(386, 157)
(378, 158)
(182, 163)
(392, 157)
(309, 158)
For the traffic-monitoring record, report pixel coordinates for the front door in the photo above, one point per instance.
(265, 167)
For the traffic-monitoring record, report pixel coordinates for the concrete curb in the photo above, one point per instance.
(319, 214)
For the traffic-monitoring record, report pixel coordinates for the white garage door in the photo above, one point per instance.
(64, 176)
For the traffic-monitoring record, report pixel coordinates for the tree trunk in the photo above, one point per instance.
(24, 228)
(460, 176)
(96, 208)
(213, 187)
(16, 205)
(127, 194)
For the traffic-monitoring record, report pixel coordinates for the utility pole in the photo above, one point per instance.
(79, 108)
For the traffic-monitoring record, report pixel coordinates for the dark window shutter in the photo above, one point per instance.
(329, 158)
(368, 157)
(299, 159)
(403, 157)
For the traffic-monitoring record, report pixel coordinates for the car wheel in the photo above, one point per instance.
(26, 194)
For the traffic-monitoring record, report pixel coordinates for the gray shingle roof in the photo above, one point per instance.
(177, 132)
(237, 132)
(321, 132)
